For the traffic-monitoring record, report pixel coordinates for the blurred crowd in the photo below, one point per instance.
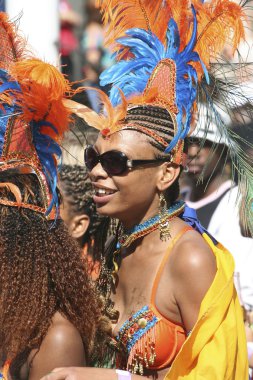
(83, 55)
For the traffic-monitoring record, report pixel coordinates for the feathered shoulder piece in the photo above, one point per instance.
(33, 117)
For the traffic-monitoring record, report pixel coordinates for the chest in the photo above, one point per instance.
(138, 282)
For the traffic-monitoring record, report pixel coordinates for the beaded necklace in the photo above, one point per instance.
(142, 229)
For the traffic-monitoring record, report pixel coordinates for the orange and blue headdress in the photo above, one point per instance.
(33, 117)
(150, 58)
(168, 54)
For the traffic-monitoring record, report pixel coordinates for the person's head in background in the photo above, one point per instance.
(208, 163)
(245, 133)
(206, 160)
(78, 209)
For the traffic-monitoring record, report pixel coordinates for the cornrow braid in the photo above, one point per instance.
(76, 185)
(157, 119)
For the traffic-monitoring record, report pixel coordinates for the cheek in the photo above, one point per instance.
(139, 187)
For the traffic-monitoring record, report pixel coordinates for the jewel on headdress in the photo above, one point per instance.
(105, 132)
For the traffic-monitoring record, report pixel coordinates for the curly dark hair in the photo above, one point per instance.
(41, 273)
(76, 187)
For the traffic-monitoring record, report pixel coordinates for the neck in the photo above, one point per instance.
(207, 187)
(128, 225)
(144, 213)
(160, 220)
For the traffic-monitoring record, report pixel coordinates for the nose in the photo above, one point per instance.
(193, 152)
(97, 172)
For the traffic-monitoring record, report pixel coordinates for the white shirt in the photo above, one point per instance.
(224, 226)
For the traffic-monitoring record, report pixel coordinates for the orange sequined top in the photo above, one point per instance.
(148, 339)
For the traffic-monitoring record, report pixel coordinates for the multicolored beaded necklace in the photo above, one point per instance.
(140, 230)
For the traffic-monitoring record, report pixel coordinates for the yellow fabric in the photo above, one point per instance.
(216, 348)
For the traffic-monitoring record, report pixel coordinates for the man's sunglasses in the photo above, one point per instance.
(115, 162)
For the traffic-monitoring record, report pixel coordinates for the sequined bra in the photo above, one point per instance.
(147, 340)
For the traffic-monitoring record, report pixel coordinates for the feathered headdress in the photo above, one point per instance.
(33, 117)
(168, 53)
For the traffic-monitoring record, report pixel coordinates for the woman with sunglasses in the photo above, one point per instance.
(168, 285)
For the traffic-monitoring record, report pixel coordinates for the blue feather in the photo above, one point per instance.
(45, 146)
(173, 40)
(149, 38)
(46, 149)
(132, 76)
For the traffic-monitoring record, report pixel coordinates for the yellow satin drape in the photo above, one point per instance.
(216, 348)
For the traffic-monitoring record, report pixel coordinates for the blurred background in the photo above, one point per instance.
(67, 33)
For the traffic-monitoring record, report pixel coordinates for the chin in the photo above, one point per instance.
(113, 212)
(107, 210)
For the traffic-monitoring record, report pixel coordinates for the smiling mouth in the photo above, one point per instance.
(103, 192)
(194, 168)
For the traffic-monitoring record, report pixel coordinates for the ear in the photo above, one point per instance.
(168, 175)
(79, 225)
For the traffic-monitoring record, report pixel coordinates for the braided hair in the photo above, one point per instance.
(158, 120)
(77, 189)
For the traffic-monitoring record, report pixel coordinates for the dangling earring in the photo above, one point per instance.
(164, 226)
(186, 169)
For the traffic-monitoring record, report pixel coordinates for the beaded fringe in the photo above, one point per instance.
(143, 355)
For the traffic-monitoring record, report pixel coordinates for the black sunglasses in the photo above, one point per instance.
(114, 162)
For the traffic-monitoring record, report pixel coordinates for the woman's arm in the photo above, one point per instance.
(62, 346)
(72, 373)
(192, 268)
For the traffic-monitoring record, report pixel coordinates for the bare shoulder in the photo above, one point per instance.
(192, 267)
(192, 254)
(62, 346)
(62, 331)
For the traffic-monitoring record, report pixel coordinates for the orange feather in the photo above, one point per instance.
(110, 119)
(12, 47)
(119, 16)
(220, 22)
(181, 13)
(43, 88)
